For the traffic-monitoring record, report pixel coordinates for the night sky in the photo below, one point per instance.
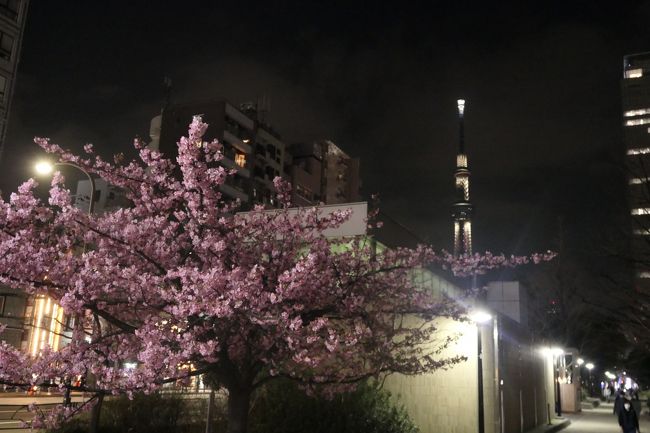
(542, 81)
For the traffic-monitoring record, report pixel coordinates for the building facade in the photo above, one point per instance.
(250, 145)
(12, 25)
(13, 303)
(635, 91)
(322, 172)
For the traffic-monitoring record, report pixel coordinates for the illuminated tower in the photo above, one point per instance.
(462, 209)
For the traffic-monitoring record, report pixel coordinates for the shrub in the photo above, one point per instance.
(160, 413)
(283, 408)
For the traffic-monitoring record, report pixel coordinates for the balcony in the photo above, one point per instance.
(237, 142)
(233, 192)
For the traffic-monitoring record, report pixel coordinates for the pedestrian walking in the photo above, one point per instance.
(618, 402)
(636, 403)
(628, 419)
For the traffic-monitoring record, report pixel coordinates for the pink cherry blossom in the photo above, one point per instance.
(183, 285)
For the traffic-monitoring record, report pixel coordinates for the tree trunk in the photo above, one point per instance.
(210, 417)
(94, 415)
(239, 400)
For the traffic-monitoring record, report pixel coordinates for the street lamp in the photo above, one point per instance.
(479, 318)
(45, 168)
(556, 352)
(590, 366)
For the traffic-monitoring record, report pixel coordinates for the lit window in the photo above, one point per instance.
(641, 211)
(639, 112)
(644, 274)
(461, 161)
(635, 122)
(638, 180)
(642, 232)
(634, 73)
(638, 151)
(240, 159)
(46, 325)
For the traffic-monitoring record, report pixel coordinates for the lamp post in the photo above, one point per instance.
(580, 362)
(45, 168)
(590, 366)
(480, 318)
(557, 352)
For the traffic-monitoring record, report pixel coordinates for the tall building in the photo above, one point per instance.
(250, 145)
(322, 172)
(12, 25)
(462, 209)
(635, 90)
(319, 171)
(13, 303)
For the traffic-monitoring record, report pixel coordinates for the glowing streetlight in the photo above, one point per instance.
(590, 379)
(553, 355)
(44, 167)
(580, 361)
(479, 317)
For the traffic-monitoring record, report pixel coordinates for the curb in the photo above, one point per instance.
(551, 428)
(557, 427)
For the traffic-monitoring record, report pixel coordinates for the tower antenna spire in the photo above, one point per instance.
(461, 124)
(462, 209)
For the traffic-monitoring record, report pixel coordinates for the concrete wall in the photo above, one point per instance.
(524, 388)
(515, 384)
(444, 401)
(447, 400)
(508, 298)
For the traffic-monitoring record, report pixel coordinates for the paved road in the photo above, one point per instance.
(600, 420)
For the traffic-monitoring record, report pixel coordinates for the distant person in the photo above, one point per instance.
(612, 393)
(618, 402)
(607, 392)
(628, 419)
(636, 403)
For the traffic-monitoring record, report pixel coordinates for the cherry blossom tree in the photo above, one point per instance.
(182, 284)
